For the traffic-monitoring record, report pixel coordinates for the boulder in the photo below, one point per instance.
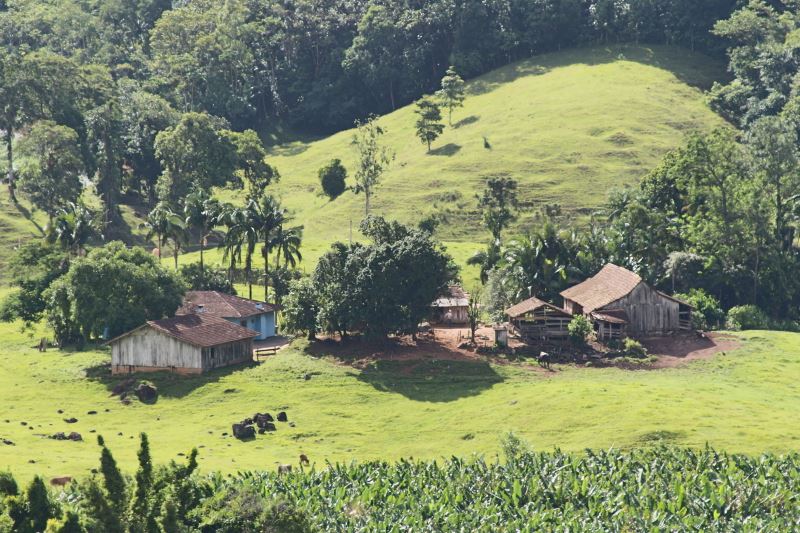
(269, 426)
(146, 393)
(75, 436)
(243, 432)
(59, 436)
(262, 419)
(70, 420)
(282, 417)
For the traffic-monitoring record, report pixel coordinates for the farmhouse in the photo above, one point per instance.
(186, 344)
(535, 319)
(620, 303)
(452, 308)
(252, 314)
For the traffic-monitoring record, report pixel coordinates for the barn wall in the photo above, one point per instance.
(649, 312)
(227, 354)
(148, 348)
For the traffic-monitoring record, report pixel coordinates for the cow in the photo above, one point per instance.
(60, 481)
(544, 360)
(284, 469)
(304, 460)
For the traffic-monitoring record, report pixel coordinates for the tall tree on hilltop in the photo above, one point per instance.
(429, 126)
(373, 157)
(452, 92)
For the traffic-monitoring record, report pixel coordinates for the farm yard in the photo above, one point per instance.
(388, 405)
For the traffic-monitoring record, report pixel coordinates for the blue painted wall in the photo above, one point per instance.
(264, 324)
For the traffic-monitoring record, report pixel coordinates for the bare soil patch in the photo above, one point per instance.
(678, 350)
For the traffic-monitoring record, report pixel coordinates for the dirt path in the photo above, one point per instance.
(676, 351)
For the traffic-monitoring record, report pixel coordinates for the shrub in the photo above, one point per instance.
(332, 177)
(708, 314)
(8, 485)
(579, 329)
(747, 317)
(633, 348)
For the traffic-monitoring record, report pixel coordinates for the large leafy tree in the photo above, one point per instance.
(252, 163)
(17, 105)
(31, 270)
(196, 154)
(110, 291)
(51, 166)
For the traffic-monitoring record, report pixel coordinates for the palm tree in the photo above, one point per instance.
(244, 235)
(177, 233)
(286, 243)
(229, 217)
(267, 215)
(72, 228)
(160, 222)
(201, 213)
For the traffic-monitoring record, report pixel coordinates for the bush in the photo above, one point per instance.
(747, 317)
(332, 177)
(579, 329)
(634, 348)
(8, 485)
(212, 279)
(708, 314)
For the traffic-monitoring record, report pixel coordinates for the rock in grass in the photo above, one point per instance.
(70, 420)
(146, 393)
(242, 432)
(282, 417)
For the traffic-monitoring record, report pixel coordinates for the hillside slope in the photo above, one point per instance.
(567, 126)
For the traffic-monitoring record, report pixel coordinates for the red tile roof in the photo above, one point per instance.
(222, 305)
(607, 286)
(532, 304)
(203, 331)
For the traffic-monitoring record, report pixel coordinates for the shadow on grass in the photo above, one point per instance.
(169, 384)
(466, 121)
(427, 371)
(446, 150)
(25, 212)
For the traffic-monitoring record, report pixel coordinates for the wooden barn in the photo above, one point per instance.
(535, 319)
(620, 303)
(185, 344)
(452, 308)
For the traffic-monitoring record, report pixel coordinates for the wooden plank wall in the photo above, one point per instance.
(150, 348)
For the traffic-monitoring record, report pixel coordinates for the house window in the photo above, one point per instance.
(243, 323)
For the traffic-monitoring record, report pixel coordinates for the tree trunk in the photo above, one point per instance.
(10, 161)
(175, 251)
(266, 272)
(159, 241)
(202, 249)
(366, 195)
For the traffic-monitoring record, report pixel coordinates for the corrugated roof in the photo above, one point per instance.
(531, 304)
(222, 305)
(607, 286)
(201, 330)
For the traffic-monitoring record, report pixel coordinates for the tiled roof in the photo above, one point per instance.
(222, 305)
(608, 286)
(531, 304)
(612, 316)
(200, 330)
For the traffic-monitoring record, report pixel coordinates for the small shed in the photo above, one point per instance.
(451, 308)
(536, 319)
(186, 344)
(620, 303)
(252, 314)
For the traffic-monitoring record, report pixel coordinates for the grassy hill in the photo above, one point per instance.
(567, 126)
(744, 401)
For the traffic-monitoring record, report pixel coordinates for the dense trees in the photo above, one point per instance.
(320, 64)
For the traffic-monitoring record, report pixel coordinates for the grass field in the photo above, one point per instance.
(745, 400)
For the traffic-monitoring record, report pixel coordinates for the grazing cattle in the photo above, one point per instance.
(544, 360)
(304, 459)
(60, 481)
(43, 345)
(284, 469)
